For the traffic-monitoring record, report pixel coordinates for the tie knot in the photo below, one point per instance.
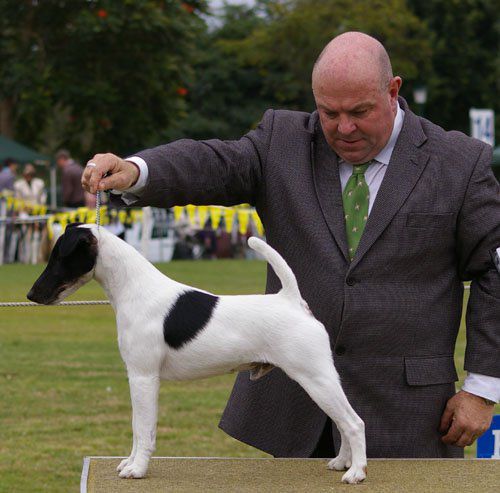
(360, 169)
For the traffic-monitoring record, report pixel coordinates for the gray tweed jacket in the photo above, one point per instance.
(392, 313)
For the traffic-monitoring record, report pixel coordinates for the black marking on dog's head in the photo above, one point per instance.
(73, 256)
(188, 317)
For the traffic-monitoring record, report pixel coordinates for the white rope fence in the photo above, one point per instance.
(64, 303)
(72, 303)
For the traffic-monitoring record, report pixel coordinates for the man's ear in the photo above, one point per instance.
(71, 239)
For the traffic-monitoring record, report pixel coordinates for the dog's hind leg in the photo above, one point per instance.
(144, 395)
(317, 375)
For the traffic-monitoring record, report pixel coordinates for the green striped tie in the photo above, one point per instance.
(356, 197)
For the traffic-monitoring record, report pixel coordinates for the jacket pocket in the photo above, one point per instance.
(430, 370)
(424, 220)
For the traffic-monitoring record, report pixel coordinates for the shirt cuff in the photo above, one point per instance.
(133, 193)
(483, 386)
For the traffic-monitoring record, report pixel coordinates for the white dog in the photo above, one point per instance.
(167, 330)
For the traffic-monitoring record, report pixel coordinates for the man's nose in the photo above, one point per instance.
(346, 126)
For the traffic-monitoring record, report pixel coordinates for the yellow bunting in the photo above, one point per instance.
(72, 217)
(229, 216)
(191, 211)
(122, 216)
(81, 213)
(202, 214)
(215, 215)
(258, 223)
(50, 229)
(178, 213)
(63, 220)
(136, 215)
(243, 219)
(91, 216)
(103, 215)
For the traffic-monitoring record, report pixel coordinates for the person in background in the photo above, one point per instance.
(8, 174)
(30, 188)
(71, 172)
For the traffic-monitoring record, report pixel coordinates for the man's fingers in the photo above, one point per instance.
(454, 433)
(111, 181)
(466, 439)
(109, 172)
(96, 174)
(446, 420)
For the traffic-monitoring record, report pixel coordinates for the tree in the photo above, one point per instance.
(285, 48)
(465, 61)
(93, 74)
(225, 96)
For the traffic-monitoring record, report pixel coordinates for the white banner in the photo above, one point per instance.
(482, 124)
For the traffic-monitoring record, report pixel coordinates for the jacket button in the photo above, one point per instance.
(350, 281)
(340, 350)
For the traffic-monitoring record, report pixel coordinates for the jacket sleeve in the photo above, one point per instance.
(478, 238)
(205, 172)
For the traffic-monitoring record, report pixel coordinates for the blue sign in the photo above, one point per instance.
(488, 444)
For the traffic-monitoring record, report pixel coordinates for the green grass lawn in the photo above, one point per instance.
(64, 392)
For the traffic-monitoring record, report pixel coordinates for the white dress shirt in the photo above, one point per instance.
(481, 385)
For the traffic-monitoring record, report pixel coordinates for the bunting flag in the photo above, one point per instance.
(258, 223)
(229, 218)
(215, 216)
(202, 215)
(178, 213)
(243, 217)
(243, 220)
(191, 212)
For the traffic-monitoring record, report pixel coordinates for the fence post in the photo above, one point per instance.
(3, 216)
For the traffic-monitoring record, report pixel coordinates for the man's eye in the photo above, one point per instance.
(360, 112)
(331, 115)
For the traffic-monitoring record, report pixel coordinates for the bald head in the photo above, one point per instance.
(353, 56)
(356, 96)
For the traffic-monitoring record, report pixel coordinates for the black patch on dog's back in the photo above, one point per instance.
(189, 315)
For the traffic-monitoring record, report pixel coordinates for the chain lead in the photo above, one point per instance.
(98, 208)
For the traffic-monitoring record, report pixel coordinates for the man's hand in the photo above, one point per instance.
(469, 416)
(120, 174)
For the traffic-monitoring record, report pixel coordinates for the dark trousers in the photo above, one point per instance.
(325, 449)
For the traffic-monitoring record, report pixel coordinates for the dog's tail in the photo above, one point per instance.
(283, 271)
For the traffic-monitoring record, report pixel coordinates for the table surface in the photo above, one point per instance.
(179, 474)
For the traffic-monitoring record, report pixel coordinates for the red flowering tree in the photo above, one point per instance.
(94, 75)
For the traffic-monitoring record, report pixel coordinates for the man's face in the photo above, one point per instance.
(357, 117)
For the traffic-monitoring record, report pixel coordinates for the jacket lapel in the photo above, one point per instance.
(403, 171)
(328, 188)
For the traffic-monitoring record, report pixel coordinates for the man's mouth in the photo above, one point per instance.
(349, 142)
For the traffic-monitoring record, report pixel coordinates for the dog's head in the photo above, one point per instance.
(71, 265)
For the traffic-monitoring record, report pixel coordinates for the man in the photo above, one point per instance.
(71, 175)
(30, 188)
(8, 175)
(382, 216)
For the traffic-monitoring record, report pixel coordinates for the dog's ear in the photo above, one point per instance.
(72, 238)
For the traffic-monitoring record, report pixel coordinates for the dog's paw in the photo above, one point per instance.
(133, 471)
(354, 475)
(124, 463)
(339, 463)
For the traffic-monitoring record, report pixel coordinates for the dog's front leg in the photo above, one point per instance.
(130, 459)
(144, 396)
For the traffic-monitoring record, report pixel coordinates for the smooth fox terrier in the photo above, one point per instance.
(168, 330)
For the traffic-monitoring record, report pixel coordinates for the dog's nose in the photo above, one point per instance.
(31, 295)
